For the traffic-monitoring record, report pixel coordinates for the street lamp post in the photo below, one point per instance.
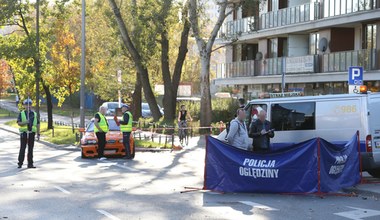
(38, 74)
(119, 81)
(83, 65)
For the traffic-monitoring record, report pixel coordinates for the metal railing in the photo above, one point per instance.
(341, 61)
(335, 8)
(236, 28)
(291, 15)
(237, 69)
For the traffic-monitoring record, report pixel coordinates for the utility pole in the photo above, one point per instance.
(38, 74)
(83, 65)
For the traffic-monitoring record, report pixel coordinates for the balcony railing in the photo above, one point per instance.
(341, 61)
(237, 69)
(235, 28)
(266, 67)
(332, 62)
(291, 15)
(295, 15)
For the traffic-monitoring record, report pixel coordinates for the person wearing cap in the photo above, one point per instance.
(100, 129)
(126, 128)
(29, 125)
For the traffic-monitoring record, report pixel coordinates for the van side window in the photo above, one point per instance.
(293, 116)
(253, 111)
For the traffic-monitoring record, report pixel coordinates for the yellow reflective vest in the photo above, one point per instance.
(103, 123)
(24, 128)
(127, 127)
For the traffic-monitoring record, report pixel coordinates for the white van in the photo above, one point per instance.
(335, 118)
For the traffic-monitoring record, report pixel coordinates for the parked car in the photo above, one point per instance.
(145, 110)
(114, 142)
(111, 107)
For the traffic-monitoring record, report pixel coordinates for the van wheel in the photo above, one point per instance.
(374, 172)
(82, 155)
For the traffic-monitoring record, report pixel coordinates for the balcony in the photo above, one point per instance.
(267, 67)
(332, 62)
(340, 61)
(295, 15)
(235, 28)
(291, 15)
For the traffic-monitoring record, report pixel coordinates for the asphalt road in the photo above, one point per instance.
(64, 186)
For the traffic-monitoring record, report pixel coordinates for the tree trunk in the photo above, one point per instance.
(141, 68)
(49, 104)
(206, 111)
(171, 83)
(137, 97)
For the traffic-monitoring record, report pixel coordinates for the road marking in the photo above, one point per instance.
(62, 190)
(107, 214)
(258, 206)
(358, 213)
(13, 163)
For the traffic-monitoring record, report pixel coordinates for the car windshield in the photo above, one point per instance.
(145, 106)
(111, 123)
(113, 105)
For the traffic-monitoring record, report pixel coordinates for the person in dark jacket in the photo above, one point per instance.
(261, 132)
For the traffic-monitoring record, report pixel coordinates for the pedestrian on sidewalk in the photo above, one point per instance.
(101, 128)
(238, 134)
(126, 128)
(29, 125)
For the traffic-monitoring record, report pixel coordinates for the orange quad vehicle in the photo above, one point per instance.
(114, 142)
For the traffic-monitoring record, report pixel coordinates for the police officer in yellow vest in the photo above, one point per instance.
(126, 128)
(100, 129)
(29, 125)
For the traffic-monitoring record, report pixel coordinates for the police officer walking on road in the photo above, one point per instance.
(126, 128)
(100, 129)
(29, 125)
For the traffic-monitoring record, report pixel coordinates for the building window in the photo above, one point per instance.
(293, 116)
(369, 38)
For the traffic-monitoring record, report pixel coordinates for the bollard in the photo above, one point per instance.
(159, 139)
(52, 131)
(140, 136)
(152, 138)
(166, 140)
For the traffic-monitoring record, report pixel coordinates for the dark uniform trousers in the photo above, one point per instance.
(126, 136)
(101, 143)
(24, 141)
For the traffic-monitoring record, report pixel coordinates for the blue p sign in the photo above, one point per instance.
(355, 75)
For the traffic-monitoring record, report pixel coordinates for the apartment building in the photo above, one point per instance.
(312, 43)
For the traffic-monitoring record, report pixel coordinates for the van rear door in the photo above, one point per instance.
(374, 124)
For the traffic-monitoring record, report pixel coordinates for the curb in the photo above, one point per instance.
(363, 192)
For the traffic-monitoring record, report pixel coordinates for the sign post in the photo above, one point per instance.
(355, 79)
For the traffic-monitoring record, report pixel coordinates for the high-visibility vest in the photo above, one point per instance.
(127, 127)
(103, 123)
(24, 128)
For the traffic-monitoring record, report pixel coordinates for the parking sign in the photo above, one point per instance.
(355, 75)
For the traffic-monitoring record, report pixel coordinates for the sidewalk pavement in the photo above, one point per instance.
(11, 106)
(370, 186)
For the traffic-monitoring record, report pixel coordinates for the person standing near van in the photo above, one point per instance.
(100, 129)
(261, 132)
(238, 135)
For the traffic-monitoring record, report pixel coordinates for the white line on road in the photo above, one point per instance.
(258, 206)
(107, 214)
(358, 213)
(13, 163)
(62, 190)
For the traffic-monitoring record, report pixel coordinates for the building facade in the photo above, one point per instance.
(305, 46)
